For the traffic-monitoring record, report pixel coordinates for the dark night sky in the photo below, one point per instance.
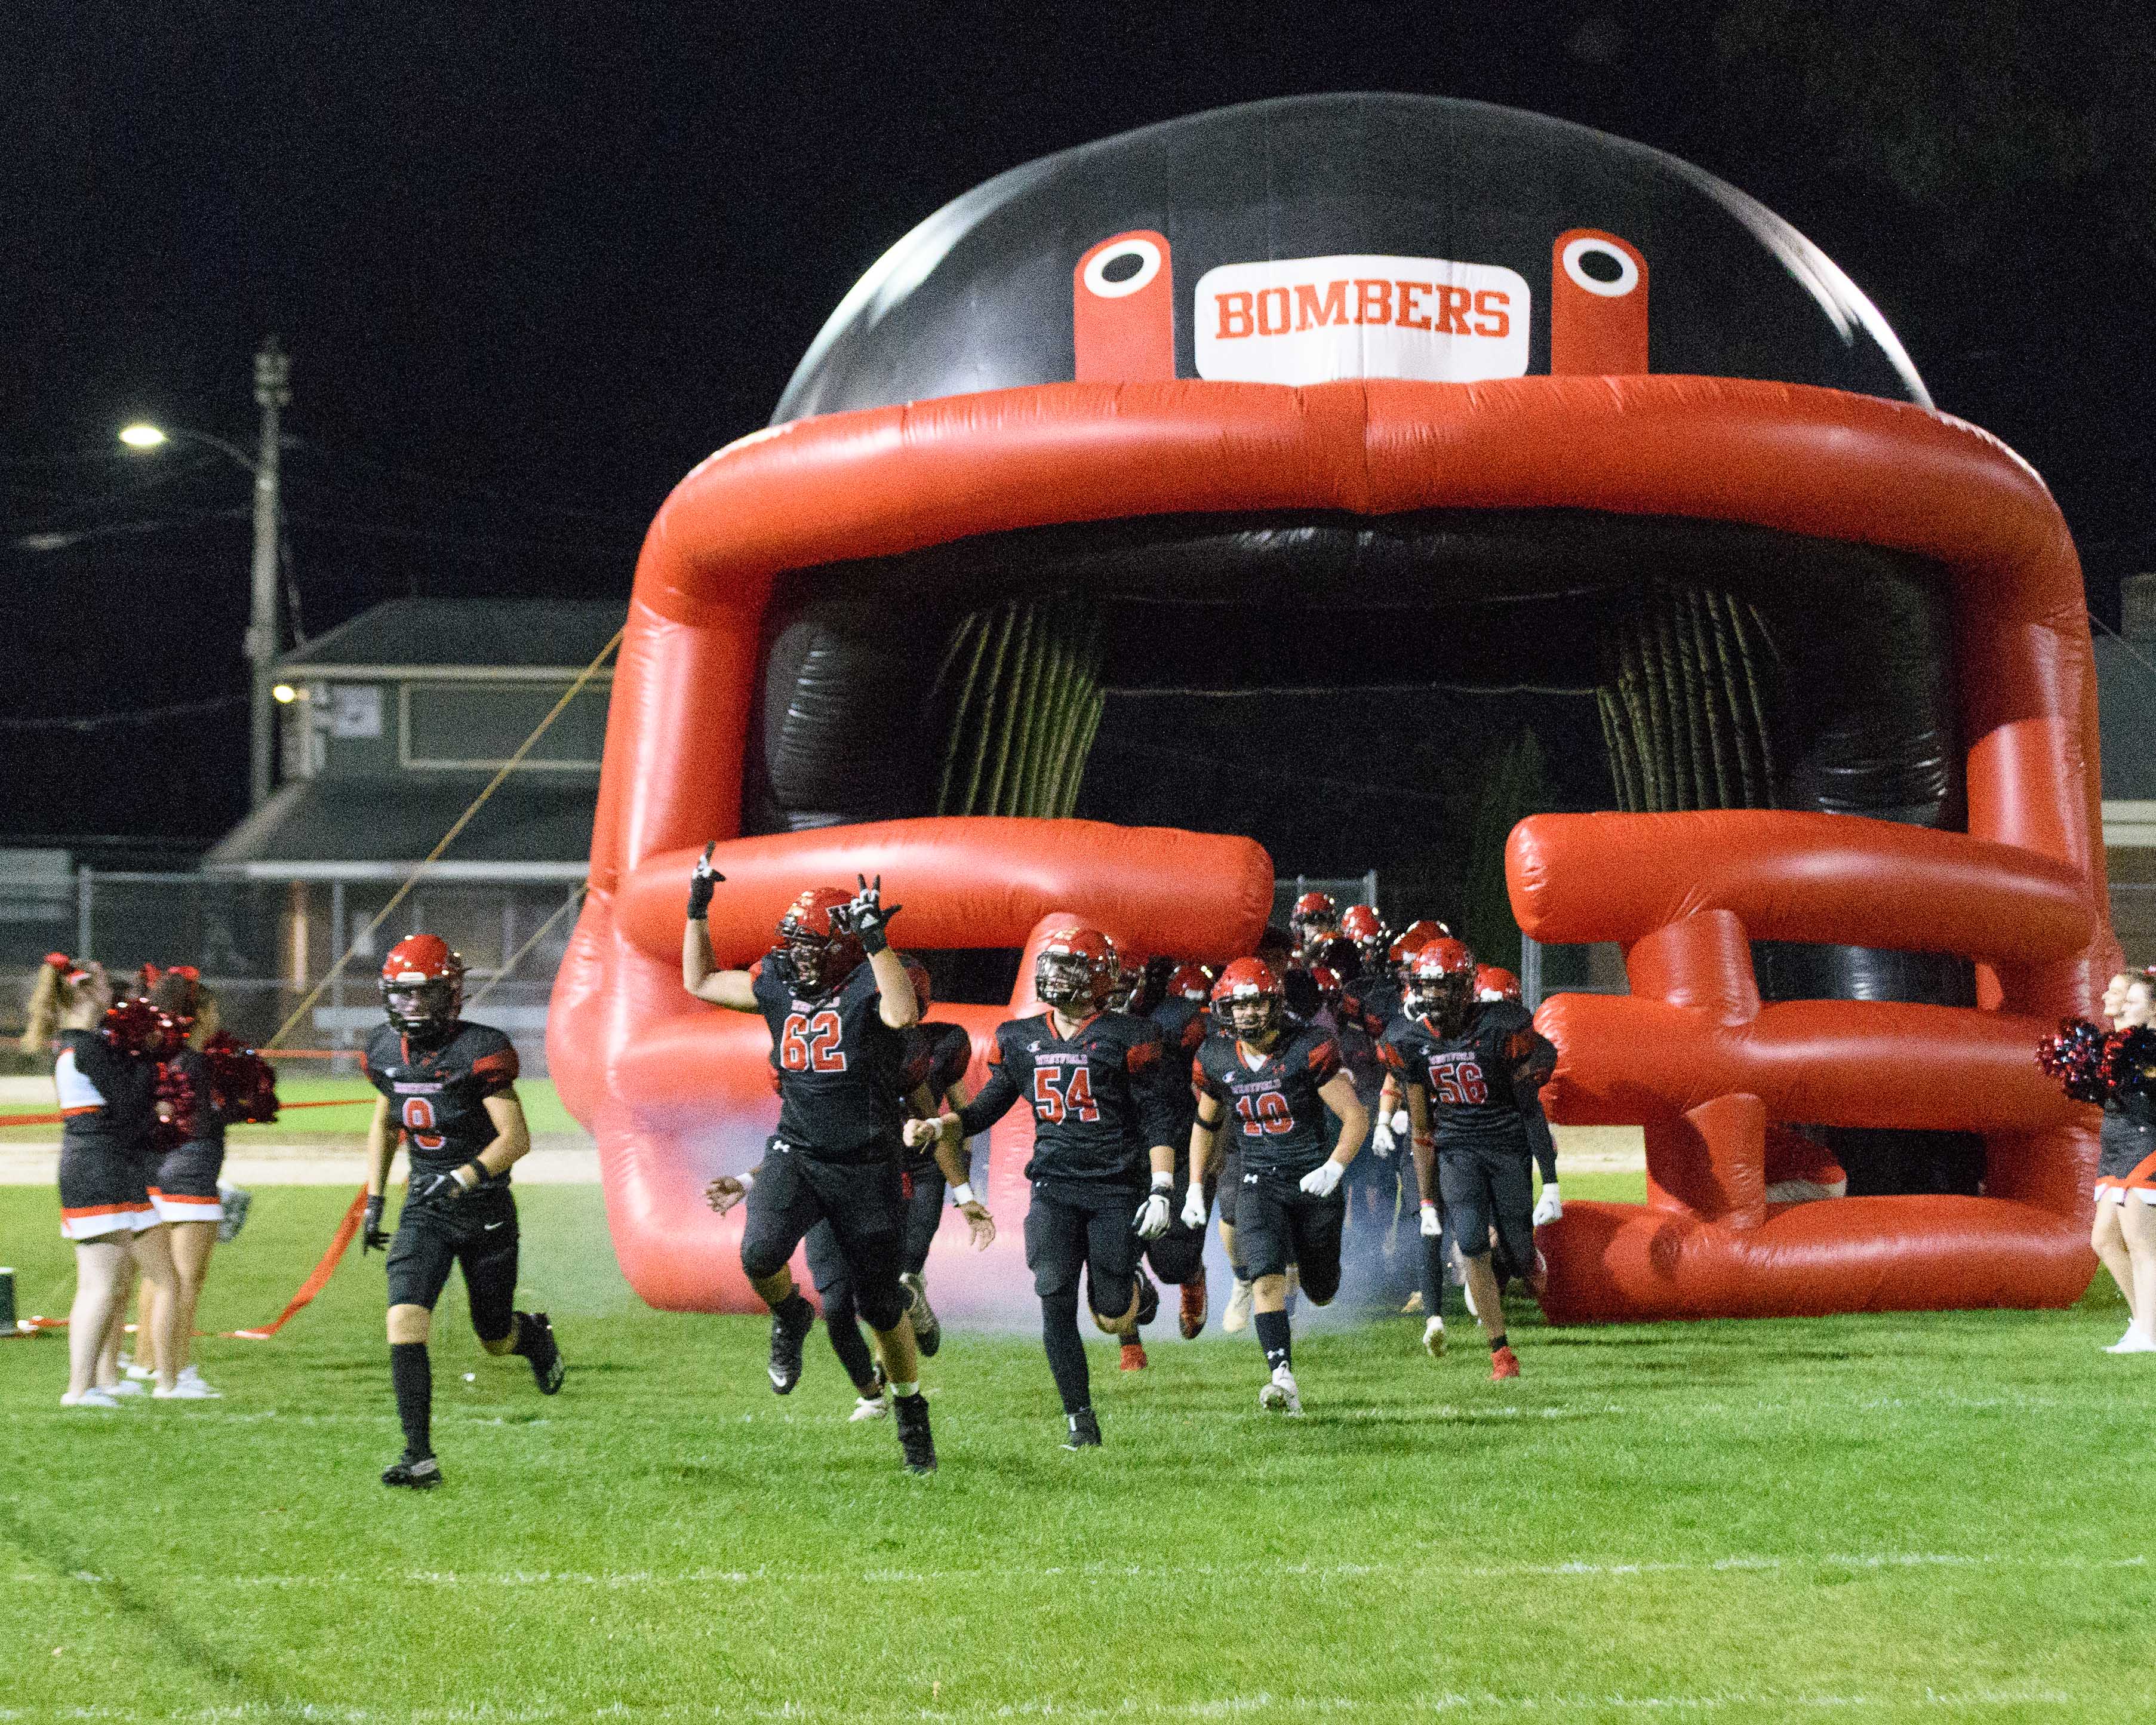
(535, 261)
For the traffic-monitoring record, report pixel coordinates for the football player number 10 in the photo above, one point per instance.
(1267, 1111)
(811, 1045)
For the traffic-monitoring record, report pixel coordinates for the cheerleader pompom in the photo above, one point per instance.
(2128, 1056)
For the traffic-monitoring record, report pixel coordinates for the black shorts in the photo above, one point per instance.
(1278, 1224)
(1227, 1175)
(477, 1235)
(925, 1190)
(105, 1193)
(184, 1188)
(1482, 1192)
(1064, 1233)
(860, 1200)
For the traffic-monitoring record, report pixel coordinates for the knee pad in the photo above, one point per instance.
(881, 1307)
(1319, 1291)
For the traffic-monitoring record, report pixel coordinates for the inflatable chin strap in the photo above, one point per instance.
(1129, 414)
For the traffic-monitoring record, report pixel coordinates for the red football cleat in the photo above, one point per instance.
(1504, 1363)
(1192, 1315)
(1134, 1359)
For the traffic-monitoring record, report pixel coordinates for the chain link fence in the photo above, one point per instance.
(264, 943)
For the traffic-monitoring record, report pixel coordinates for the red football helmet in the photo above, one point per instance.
(820, 950)
(916, 972)
(1074, 971)
(1129, 976)
(1190, 982)
(1417, 935)
(1314, 914)
(1493, 981)
(1249, 1000)
(423, 987)
(1330, 984)
(1440, 981)
(1363, 925)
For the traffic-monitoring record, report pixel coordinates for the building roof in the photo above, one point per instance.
(531, 820)
(522, 633)
(2126, 712)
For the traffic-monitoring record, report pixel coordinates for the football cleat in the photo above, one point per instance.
(1083, 1430)
(420, 1472)
(927, 1329)
(1148, 1298)
(1134, 1357)
(1504, 1363)
(1191, 1317)
(916, 1445)
(1433, 1337)
(547, 1370)
(235, 1199)
(1237, 1317)
(873, 1404)
(785, 1367)
(1280, 1394)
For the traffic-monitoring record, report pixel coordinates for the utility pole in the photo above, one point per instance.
(273, 371)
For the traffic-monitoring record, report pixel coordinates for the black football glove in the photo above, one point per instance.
(371, 1237)
(867, 916)
(436, 1191)
(702, 879)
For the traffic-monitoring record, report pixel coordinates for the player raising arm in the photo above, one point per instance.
(448, 1091)
(836, 997)
(1472, 1069)
(1277, 1077)
(1094, 1079)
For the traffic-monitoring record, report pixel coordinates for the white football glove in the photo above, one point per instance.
(1402, 1124)
(1432, 1227)
(1151, 1219)
(1323, 1180)
(1193, 1206)
(1381, 1136)
(1550, 1206)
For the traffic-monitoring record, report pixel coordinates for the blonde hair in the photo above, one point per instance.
(59, 989)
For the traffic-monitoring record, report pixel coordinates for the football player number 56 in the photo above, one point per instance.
(418, 1117)
(811, 1045)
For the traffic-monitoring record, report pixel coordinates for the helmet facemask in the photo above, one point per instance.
(1064, 980)
(423, 1012)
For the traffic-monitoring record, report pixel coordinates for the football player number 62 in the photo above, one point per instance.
(418, 1117)
(811, 1045)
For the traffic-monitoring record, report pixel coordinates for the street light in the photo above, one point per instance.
(273, 372)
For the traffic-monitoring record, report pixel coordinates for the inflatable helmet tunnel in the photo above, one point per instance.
(1522, 401)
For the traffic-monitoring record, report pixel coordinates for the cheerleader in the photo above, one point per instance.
(2125, 1232)
(108, 1093)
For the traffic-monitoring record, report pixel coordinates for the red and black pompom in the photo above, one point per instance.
(2075, 1058)
(244, 1083)
(2127, 1057)
(179, 1106)
(134, 1027)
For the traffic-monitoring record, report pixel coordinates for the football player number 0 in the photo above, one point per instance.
(418, 1117)
(811, 1045)
(1072, 1100)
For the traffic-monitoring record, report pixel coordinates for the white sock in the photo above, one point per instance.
(912, 1389)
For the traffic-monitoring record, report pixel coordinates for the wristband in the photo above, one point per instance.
(962, 1194)
(478, 1173)
(1163, 1182)
(1430, 1206)
(747, 1182)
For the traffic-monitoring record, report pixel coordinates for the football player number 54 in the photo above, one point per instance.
(811, 1045)
(1072, 1098)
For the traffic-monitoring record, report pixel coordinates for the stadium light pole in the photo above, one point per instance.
(273, 372)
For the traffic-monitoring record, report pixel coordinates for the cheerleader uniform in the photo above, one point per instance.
(185, 1188)
(2127, 1149)
(110, 1099)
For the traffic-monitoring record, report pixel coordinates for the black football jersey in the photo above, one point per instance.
(1469, 1077)
(108, 1096)
(1185, 1025)
(1274, 1111)
(1100, 1100)
(1372, 1002)
(439, 1095)
(838, 1062)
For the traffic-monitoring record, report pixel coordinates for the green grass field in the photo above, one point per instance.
(1920, 1517)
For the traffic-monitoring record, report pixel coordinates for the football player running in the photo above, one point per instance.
(835, 997)
(1472, 1071)
(1179, 1255)
(1493, 981)
(1278, 1077)
(1097, 1085)
(449, 1092)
